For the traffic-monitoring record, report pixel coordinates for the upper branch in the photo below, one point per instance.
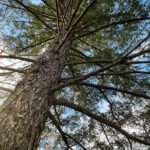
(133, 20)
(27, 8)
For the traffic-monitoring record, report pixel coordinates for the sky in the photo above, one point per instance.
(36, 1)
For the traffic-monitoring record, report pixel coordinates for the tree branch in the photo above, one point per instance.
(115, 89)
(100, 119)
(48, 5)
(6, 89)
(33, 13)
(17, 57)
(53, 119)
(113, 24)
(76, 141)
(12, 69)
(86, 76)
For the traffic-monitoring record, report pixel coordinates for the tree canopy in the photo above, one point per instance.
(102, 99)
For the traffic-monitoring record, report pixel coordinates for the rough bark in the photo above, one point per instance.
(23, 115)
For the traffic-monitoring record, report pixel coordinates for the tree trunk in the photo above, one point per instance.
(23, 115)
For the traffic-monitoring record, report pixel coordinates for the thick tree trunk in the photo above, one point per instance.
(24, 114)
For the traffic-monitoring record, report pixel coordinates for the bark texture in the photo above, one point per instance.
(23, 115)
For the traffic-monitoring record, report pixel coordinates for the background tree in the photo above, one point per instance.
(87, 74)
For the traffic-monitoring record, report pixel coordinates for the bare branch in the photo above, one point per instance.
(137, 46)
(76, 141)
(33, 13)
(105, 62)
(103, 128)
(139, 54)
(6, 89)
(5, 73)
(75, 12)
(133, 20)
(101, 119)
(116, 89)
(86, 76)
(84, 13)
(48, 5)
(17, 57)
(32, 45)
(53, 119)
(12, 69)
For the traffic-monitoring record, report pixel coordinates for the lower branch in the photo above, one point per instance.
(12, 69)
(63, 134)
(17, 57)
(6, 89)
(101, 119)
(55, 122)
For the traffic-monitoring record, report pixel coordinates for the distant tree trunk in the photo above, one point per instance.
(23, 116)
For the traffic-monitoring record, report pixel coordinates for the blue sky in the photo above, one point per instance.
(36, 1)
